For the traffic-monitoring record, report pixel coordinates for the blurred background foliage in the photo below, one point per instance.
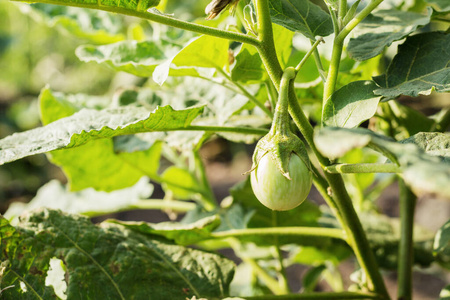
(37, 50)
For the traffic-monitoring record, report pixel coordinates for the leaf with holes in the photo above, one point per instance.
(105, 261)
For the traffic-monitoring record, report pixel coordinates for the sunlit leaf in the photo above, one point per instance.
(302, 16)
(380, 29)
(95, 26)
(351, 105)
(421, 65)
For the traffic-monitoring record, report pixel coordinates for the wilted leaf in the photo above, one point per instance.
(351, 105)
(380, 29)
(421, 65)
(302, 16)
(106, 261)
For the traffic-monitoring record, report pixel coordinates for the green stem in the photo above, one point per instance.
(273, 94)
(160, 18)
(281, 117)
(270, 282)
(357, 19)
(352, 226)
(201, 174)
(282, 277)
(406, 247)
(342, 11)
(246, 93)
(308, 54)
(318, 296)
(283, 231)
(319, 64)
(333, 71)
(363, 168)
(240, 130)
(173, 205)
(266, 47)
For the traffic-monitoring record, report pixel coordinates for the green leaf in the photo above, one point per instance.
(88, 125)
(88, 202)
(351, 105)
(425, 174)
(201, 52)
(99, 27)
(302, 16)
(380, 29)
(402, 120)
(443, 4)
(312, 277)
(137, 5)
(137, 58)
(233, 217)
(182, 234)
(105, 261)
(421, 65)
(249, 67)
(180, 182)
(433, 143)
(441, 246)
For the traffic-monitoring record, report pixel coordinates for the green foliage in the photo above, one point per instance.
(302, 16)
(420, 66)
(197, 80)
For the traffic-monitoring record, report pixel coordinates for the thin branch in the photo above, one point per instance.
(160, 18)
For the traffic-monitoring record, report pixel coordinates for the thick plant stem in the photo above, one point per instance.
(266, 48)
(405, 253)
(160, 18)
(356, 235)
(333, 71)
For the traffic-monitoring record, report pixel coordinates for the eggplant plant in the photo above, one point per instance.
(319, 86)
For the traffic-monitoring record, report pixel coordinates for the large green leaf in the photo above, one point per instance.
(380, 29)
(421, 65)
(106, 261)
(89, 124)
(302, 16)
(351, 105)
(96, 26)
(424, 173)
